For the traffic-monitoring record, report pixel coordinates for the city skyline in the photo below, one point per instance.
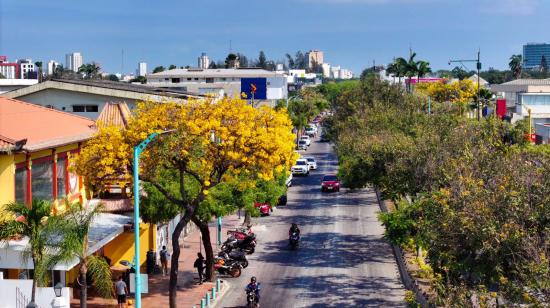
(351, 33)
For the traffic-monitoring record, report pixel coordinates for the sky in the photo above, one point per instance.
(352, 33)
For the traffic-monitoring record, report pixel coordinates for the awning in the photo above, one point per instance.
(104, 229)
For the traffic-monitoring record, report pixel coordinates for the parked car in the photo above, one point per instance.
(311, 163)
(330, 182)
(306, 139)
(300, 167)
(264, 208)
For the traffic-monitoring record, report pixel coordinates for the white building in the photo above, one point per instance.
(326, 70)
(73, 61)
(346, 74)
(314, 57)
(26, 66)
(51, 67)
(142, 69)
(8, 69)
(203, 61)
(230, 82)
(7, 85)
(294, 76)
(335, 72)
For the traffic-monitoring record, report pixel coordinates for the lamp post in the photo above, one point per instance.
(58, 301)
(137, 152)
(478, 66)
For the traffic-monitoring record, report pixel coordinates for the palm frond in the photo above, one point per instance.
(100, 272)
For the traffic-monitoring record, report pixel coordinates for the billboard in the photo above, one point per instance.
(256, 86)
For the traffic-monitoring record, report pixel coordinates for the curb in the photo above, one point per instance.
(226, 287)
(213, 297)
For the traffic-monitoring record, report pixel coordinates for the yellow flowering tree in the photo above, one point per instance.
(211, 141)
(463, 91)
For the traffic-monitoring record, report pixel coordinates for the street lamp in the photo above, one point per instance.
(478, 66)
(57, 289)
(137, 152)
(58, 301)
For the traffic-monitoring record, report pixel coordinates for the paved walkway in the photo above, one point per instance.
(189, 292)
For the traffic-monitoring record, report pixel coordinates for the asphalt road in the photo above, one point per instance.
(342, 261)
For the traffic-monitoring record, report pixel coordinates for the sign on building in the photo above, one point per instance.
(254, 87)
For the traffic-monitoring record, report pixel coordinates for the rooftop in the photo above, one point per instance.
(117, 114)
(222, 72)
(528, 82)
(25, 126)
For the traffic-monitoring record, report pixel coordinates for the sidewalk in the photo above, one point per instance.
(189, 292)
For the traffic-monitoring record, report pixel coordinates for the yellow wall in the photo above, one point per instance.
(122, 247)
(7, 179)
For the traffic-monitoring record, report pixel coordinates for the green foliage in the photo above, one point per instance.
(112, 77)
(100, 273)
(159, 69)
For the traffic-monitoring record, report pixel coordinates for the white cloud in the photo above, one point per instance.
(510, 7)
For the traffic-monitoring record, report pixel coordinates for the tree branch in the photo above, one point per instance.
(165, 192)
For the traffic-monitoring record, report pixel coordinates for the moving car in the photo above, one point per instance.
(302, 145)
(311, 163)
(300, 167)
(310, 131)
(306, 139)
(330, 182)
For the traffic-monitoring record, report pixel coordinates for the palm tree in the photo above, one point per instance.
(300, 112)
(43, 231)
(423, 68)
(39, 65)
(75, 244)
(516, 65)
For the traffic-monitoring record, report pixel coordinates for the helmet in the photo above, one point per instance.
(253, 279)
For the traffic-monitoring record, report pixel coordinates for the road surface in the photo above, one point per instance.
(343, 261)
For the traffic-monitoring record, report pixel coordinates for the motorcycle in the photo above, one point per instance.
(251, 301)
(248, 244)
(235, 255)
(227, 267)
(294, 240)
(240, 233)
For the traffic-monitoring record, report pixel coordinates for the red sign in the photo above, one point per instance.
(253, 88)
(501, 108)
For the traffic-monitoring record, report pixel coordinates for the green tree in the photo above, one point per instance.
(516, 65)
(140, 79)
(39, 65)
(113, 77)
(423, 69)
(290, 61)
(158, 69)
(172, 66)
(75, 244)
(43, 232)
(459, 73)
(231, 60)
(262, 60)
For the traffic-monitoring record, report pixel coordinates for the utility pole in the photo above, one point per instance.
(478, 66)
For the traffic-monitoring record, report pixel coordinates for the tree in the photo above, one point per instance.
(172, 66)
(113, 77)
(41, 227)
(262, 60)
(75, 244)
(39, 65)
(459, 73)
(140, 79)
(90, 70)
(158, 69)
(423, 69)
(543, 65)
(300, 60)
(231, 61)
(212, 142)
(243, 60)
(290, 61)
(212, 65)
(516, 65)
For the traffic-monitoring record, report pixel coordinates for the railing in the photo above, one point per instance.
(21, 300)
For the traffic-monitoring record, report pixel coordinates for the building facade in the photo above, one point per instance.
(203, 61)
(223, 82)
(533, 53)
(52, 65)
(27, 69)
(9, 70)
(314, 58)
(142, 69)
(73, 61)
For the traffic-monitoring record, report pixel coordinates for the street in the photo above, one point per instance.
(342, 261)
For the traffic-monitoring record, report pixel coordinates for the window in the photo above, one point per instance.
(189, 79)
(175, 80)
(85, 108)
(21, 184)
(62, 177)
(209, 80)
(223, 79)
(41, 182)
(92, 108)
(79, 108)
(196, 78)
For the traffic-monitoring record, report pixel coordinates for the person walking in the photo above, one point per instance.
(199, 264)
(164, 255)
(121, 290)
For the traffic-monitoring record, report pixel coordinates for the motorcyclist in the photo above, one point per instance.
(254, 286)
(294, 229)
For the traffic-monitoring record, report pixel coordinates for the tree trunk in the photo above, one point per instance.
(247, 218)
(174, 261)
(83, 285)
(33, 291)
(208, 250)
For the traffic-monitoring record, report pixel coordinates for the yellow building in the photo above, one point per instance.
(37, 147)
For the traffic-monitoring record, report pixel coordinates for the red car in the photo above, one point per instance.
(330, 183)
(264, 208)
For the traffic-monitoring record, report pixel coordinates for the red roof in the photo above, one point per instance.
(117, 114)
(41, 127)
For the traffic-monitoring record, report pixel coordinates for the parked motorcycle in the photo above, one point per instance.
(240, 233)
(227, 267)
(248, 244)
(235, 255)
(294, 240)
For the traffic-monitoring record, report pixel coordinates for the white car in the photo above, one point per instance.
(301, 167)
(288, 181)
(311, 132)
(306, 139)
(302, 145)
(311, 163)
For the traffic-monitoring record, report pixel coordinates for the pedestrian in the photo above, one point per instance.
(164, 255)
(199, 264)
(121, 291)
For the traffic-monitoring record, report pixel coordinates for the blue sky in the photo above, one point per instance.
(352, 33)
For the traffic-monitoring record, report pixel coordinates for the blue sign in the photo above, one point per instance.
(256, 86)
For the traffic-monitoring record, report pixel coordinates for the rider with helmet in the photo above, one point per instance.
(294, 229)
(254, 286)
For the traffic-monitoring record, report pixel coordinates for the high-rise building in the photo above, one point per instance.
(204, 62)
(27, 69)
(314, 58)
(51, 67)
(8, 69)
(73, 61)
(142, 69)
(533, 53)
